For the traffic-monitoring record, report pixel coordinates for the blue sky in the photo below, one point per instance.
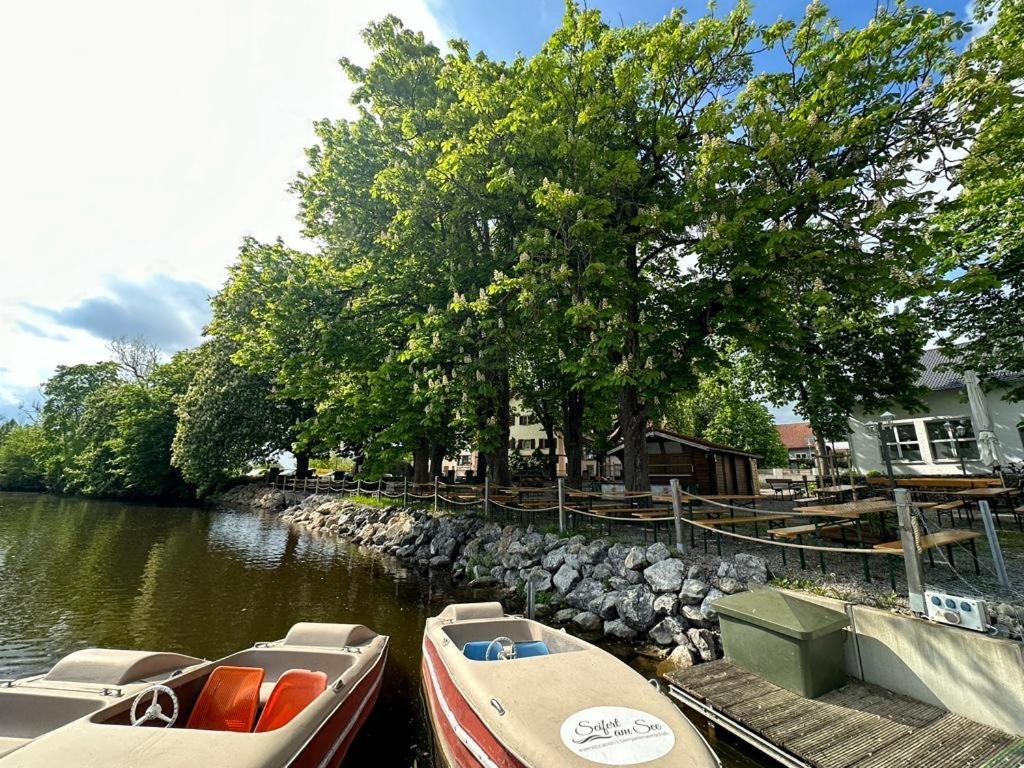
(143, 141)
(502, 29)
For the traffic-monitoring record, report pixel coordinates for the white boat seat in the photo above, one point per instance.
(329, 635)
(8, 744)
(106, 666)
(469, 611)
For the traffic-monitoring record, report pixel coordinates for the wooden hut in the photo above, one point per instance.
(706, 468)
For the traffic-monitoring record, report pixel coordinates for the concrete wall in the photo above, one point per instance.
(942, 405)
(979, 677)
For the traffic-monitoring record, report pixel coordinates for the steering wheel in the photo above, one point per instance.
(506, 648)
(154, 711)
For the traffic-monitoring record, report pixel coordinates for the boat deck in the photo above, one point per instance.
(857, 726)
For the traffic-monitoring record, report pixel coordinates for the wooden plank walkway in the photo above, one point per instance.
(857, 726)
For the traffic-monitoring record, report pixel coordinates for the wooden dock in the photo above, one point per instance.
(857, 726)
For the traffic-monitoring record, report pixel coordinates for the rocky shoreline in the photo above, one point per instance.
(646, 596)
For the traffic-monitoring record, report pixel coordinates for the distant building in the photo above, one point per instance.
(802, 447)
(921, 444)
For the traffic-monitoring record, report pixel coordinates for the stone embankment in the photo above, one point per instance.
(639, 594)
(258, 496)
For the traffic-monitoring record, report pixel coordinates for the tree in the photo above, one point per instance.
(980, 231)
(136, 358)
(227, 420)
(21, 453)
(819, 194)
(67, 393)
(723, 410)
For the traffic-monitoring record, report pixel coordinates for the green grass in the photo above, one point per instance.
(370, 501)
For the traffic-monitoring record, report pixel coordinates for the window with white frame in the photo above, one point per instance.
(902, 441)
(526, 419)
(464, 460)
(946, 447)
(527, 445)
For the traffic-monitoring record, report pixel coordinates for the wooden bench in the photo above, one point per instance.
(938, 539)
(722, 522)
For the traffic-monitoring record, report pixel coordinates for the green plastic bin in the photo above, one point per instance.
(794, 643)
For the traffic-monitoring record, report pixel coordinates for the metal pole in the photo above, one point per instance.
(677, 513)
(435, 494)
(487, 497)
(993, 543)
(405, 491)
(561, 505)
(531, 600)
(911, 553)
(888, 460)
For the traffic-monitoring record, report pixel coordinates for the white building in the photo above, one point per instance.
(920, 443)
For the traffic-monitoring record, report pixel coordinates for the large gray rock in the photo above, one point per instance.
(540, 579)
(657, 552)
(707, 607)
(586, 592)
(601, 571)
(608, 610)
(665, 575)
(693, 591)
(593, 552)
(669, 631)
(619, 629)
(636, 559)
(682, 657)
(703, 641)
(564, 616)
(587, 621)
(566, 578)
(750, 568)
(553, 560)
(636, 607)
(729, 586)
(666, 605)
(694, 616)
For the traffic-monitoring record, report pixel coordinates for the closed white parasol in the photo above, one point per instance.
(988, 443)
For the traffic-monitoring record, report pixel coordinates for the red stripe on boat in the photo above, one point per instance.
(353, 712)
(464, 714)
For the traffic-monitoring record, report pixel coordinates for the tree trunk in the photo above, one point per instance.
(572, 430)
(421, 462)
(633, 426)
(437, 452)
(498, 468)
(302, 464)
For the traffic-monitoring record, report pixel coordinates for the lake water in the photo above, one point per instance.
(76, 574)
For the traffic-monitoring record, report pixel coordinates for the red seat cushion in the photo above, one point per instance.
(293, 692)
(228, 701)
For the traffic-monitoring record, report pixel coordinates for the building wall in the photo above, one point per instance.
(941, 406)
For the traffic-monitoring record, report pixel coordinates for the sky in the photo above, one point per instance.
(140, 142)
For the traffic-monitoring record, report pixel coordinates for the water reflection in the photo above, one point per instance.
(76, 573)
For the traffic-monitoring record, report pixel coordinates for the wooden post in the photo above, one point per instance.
(380, 486)
(435, 494)
(911, 553)
(405, 491)
(561, 505)
(359, 486)
(677, 513)
(487, 497)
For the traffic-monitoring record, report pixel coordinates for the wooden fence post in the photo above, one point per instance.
(405, 491)
(562, 523)
(677, 513)
(380, 486)
(487, 497)
(435, 494)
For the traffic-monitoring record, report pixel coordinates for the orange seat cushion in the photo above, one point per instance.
(228, 701)
(294, 691)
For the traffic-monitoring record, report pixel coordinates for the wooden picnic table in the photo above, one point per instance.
(985, 493)
(849, 509)
(943, 538)
(996, 495)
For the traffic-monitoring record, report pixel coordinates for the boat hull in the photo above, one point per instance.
(464, 740)
(329, 745)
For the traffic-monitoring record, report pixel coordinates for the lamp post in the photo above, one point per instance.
(885, 422)
(961, 430)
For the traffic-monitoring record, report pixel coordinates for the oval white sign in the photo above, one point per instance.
(617, 735)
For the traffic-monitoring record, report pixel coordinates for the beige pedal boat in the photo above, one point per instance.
(295, 702)
(507, 692)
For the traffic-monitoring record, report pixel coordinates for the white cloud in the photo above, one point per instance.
(145, 139)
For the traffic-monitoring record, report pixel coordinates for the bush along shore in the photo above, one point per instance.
(647, 596)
